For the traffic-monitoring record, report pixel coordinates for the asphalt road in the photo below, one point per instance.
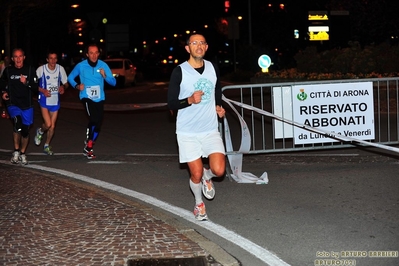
(318, 207)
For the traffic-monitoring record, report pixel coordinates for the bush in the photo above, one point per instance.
(382, 58)
(347, 63)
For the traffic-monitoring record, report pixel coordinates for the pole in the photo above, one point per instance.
(249, 23)
(234, 26)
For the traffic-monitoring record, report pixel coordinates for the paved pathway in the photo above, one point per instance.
(48, 220)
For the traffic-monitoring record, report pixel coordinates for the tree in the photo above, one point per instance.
(26, 15)
(371, 21)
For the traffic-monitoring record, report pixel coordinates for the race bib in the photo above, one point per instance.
(93, 92)
(53, 99)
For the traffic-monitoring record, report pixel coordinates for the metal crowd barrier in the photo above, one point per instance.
(271, 135)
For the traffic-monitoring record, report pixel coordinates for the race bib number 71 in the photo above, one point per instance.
(93, 92)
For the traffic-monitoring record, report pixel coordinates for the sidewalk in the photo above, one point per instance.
(46, 219)
(51, 220)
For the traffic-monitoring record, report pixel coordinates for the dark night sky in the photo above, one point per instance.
(150, 18)
(158, 17)
(154, 19)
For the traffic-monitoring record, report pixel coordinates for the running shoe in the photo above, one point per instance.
(208, 188)
(23, 159)
(85, 151)
(200, 212)
(38, 137)
(15, 157)
(47, 150)
(88, 152)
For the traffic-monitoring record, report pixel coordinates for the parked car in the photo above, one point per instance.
(123, 70)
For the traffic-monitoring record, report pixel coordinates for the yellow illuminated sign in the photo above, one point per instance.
(319, 36)
(317, 17)
(318, 29)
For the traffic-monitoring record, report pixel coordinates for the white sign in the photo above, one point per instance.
(264, 61)
(282, 107)
(340, 109)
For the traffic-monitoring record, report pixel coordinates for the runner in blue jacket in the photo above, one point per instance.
(92, 72)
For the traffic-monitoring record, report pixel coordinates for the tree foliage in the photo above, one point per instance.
(371, 21)
(381, 58)
(23, 19)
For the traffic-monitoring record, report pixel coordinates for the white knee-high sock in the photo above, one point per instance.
(196, 189)
(208, 174)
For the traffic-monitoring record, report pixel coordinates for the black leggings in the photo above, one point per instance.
(95, 111)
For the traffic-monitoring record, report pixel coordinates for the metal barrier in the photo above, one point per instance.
(269, 135)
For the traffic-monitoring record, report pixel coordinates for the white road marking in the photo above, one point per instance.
(105, 162)
(256, 250)
(152, 154)
(55, 154)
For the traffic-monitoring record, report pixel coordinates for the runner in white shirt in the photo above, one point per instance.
(195, 93)
(52, 83)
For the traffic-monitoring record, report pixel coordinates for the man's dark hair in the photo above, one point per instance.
(17, 49)
(49, 52)
(92, 45)
(192, 34)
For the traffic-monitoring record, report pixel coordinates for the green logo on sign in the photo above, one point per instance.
(301, 95)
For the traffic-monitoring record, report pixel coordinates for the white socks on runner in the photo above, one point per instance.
(196, 189)
(208, 174)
